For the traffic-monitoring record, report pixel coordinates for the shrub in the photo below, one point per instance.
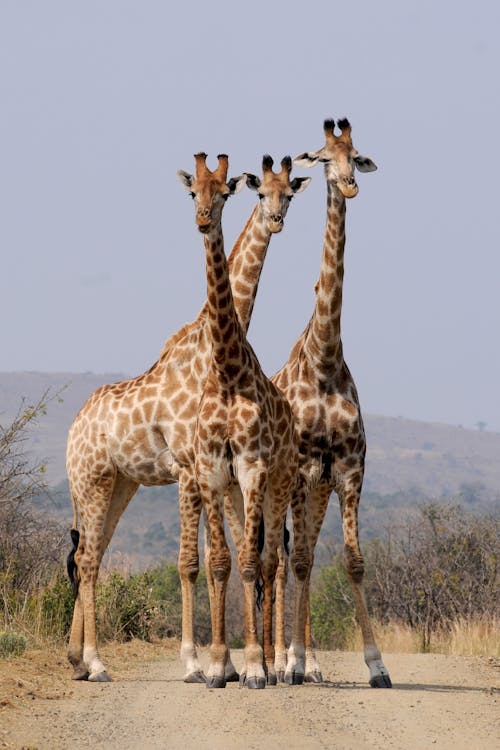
(11, 644)
(332, 607)
(441, 567)
(57, 603)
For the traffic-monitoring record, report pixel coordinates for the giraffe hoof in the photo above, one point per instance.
(195, 677)
(216, 682)
(381, 681)
(280, 675)
(272, 679)
(315, 676)
(256, 683)
(82, 673)
(100, 677)
(233, 677)
(294, 678)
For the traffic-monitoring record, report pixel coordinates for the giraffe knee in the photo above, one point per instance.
(249, 567)
(220, 565)
(354, 563)
(300, 564)
(189, 568)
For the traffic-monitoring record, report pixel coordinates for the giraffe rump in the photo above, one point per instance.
(71, 565)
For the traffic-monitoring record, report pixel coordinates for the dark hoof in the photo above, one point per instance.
(272, 679)
(195, 677)
(280, 675)
(80, 674)
(294, 678)
(99, 677)
(313, 677)
(256, 683)
(233, 677)
(216, 682)
(381, 681)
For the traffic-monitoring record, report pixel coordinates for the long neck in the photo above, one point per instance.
(245, 265)
(225, 330)
(323, 342)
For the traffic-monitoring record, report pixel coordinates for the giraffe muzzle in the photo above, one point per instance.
(275, 223)
(348, 187)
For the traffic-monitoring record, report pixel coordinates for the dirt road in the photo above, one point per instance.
(437, 701)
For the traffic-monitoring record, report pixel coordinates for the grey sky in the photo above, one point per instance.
(103, 101)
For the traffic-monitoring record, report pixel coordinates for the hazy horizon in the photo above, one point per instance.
(103, 102)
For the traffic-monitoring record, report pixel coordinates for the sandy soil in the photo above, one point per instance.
(437, 701)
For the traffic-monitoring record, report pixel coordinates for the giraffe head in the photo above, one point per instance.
(210, 190)
(275, 191)
(339, 157)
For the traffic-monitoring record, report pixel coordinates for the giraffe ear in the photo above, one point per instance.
(236, 183)
(185, 179)
(364, 164)
(253, 182)
(298, 184)
(307, 159)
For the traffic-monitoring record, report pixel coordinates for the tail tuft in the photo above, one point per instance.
(71, 565)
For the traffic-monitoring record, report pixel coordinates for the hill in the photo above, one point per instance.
(407, 462)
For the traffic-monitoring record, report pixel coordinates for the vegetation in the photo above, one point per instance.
(433, 575)
(432, 578)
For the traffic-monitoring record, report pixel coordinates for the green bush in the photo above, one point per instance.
(332, 607)
(11, 644)
(57, 604)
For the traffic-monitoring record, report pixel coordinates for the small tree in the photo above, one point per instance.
(30, 545)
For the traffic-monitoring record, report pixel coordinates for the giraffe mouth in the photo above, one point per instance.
(204, 228)
(275, 225)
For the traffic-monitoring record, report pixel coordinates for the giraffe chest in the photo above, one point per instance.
(331, 436)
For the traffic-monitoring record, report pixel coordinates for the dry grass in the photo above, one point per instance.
(464, 638)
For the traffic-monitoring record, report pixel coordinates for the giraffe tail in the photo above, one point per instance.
(259, 583)
(71, 565)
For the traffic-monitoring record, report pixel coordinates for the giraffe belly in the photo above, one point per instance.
(149, 470)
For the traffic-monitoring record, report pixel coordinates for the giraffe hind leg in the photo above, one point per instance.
(349, 493)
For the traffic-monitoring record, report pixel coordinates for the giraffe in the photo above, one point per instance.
(323, 396)
(140, 431)
(245, 438)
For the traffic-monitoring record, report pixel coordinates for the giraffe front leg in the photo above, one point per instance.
(253, 674)
(301, 567)
(190, 509)
(280, 657)
(349, 495)
(219, 568)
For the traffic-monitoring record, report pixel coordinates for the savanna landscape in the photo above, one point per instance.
(434, 600)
